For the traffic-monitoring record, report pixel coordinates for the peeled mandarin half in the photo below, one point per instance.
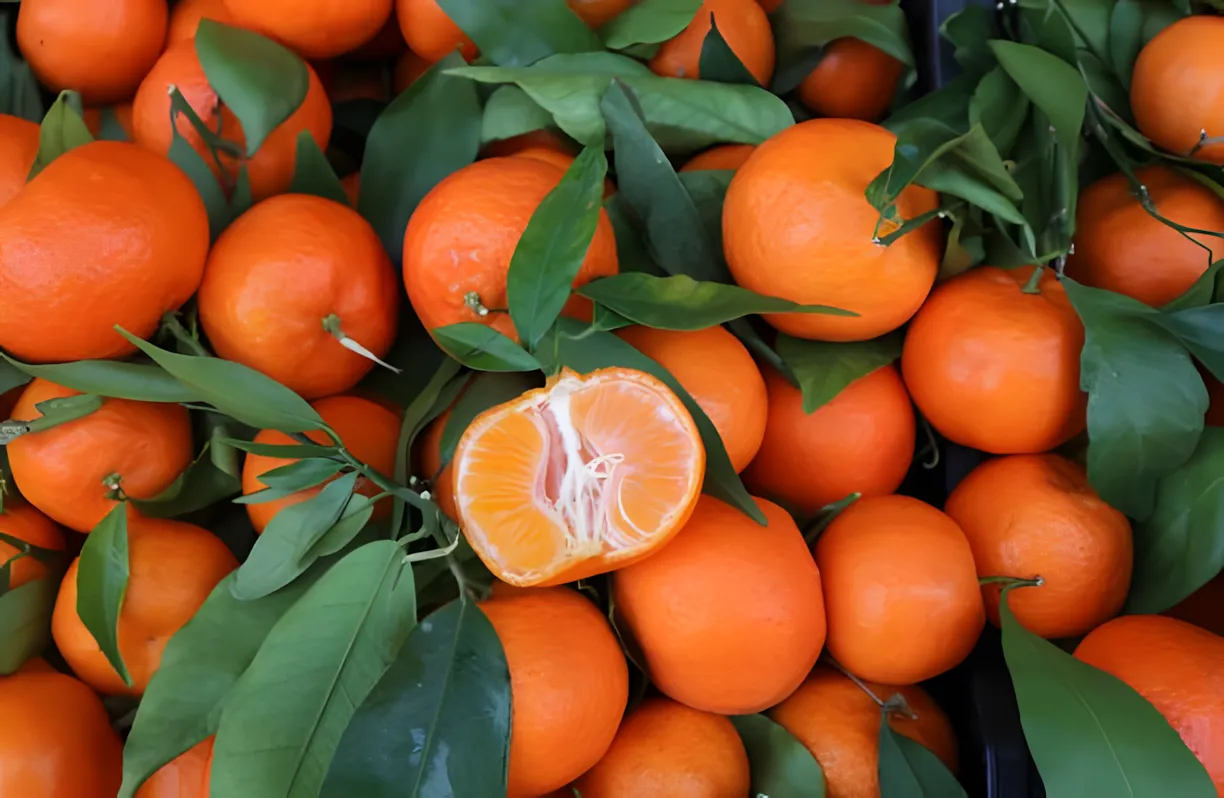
(586, 475)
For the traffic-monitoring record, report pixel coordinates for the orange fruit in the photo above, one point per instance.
(430, 33)
(78, 261)
(187, 776)
(724, 156)
(185, 18)
(314, 28)
(1172, 87)
(1122, 248)
(25, 523)
(429, 466)
(745, 29)
(530, 476)
(369, 431)
(408, 67)
(729, 615)
(56, 740)
(597, 13)
(901, 592)
(173, 567)
(770, 6)
(997, 369)
(720, 375)
(854, 80)
(796, 225)
(569, 684)
(279, 273)
(1176, 667)
(102, 50)
(560, 159)
(839, 723)
(860, 442)
(503, 148)
(1033, 515)
(461, 237)
(123, 115)
(387, 43)
(18, 148)
(1204, 607)
(68, 471)
(271, 168)
(36, 665)
(667, 749)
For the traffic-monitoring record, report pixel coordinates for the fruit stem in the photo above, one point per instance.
(896, 704)
(332, 325)
(11, 430)
(1011, 581)
(1204, 141)
(114, 488)
(1032, 286)
(172, 325)
(472, 300)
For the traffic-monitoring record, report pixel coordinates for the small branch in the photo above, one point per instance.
(1011, 581)
(172, 325)
(1034, 282)
(332, 325)
(114, 488)
(472, 300)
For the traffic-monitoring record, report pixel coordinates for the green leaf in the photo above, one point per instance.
(19, 93)
(1052, 84)
(483, 348)
(280, 553)
(261, 81)
(313, 174)
(552, 249)
(25, 620)
(1000, 108)
(909, 769)
(1146, 400)
(438, 723)
(102, 581)
(483, 392)
(303, 474)
(294, 451)
(201, 485)
(357, 513)
(432, 401)
(188, 159)
(1091, 735)
(649, 22)
(596, 350)
(509, 112)
(512, 33)
(284, 718)
(707, 188)
(1181, 546)
(404, 158)
(968, 30)
(236, 390)
(823, 369)
(10, 376)
(199, 668)
(1132, 24)
(805, 24)
(109, 126)
(781, 767)
(54, 413)
(1201, 330)
(62, 129)
(719, 62)
(415, 354)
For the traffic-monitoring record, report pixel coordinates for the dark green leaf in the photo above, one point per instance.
(280, 554)
(1200, 293)
(801, 24)
(552, 249)
(313, 174)
(54, 412)
(186, 158)
(1132, 24)
(284, 718)
(432, 401)
(261, 81)
(102, 581)
(1053, 85)
(357, 514)
(236, 390)
(483, 348)
(62, 129)
(201, 485)
(1146, 400)
(303, 474)
(649, 22)
(631, 252)
(1000, 108)
(509, 112)
(286, 450)
(707, 188)
(968, 30)
(199, 668)
(512, 33)
(1087, 19)
(19, 93)
(752, 338)
(404, 158)
(439, 721)
(241, 200)
(719, 62)
(109, 126)
(909, 770)
(10, 376)
(1201, 330)
(415, 354)
(483, 392)
(949, 105)
(781, 767)
(824, 369)
(25, 620)
(1090, 734)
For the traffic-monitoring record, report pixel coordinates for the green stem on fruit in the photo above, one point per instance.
(1010, 582)
(332, 325)
(114, 488)
(1034, 282)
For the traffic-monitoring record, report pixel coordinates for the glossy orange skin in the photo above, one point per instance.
(271, 168)
(56, 740)
(77, 261)
(720, 375)
(569, 685)
(430, 33)
(18, 148)
(1177, 668)
(724, 156)
(743, 26)
(61, 470)
(314, 28)
(1122, 248)
(185, 18)
(368, 430)
(102, 50)
(729, 615)
(860, 442)
(503, 148)
(839, 723)
(1174, 87)
(429, 459)
(1204, 607)
(664, 748)
(278, 271)
(854, 80)
(1031, 515)
(461, 238)
(408, 67)
(25, 523)
(901, 591)
(174, 566)
(187, 776)
(560, 159)
(997, 369)
(796, 225)
(597, 13)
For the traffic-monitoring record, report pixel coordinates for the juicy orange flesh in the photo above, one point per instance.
(583, 470)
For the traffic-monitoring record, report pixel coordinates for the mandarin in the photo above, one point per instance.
(388, 43)
(597, 13)
(430, 33)
(18, 148)
(26, 524)
(560, 159)
(1173, 88)
(745, 29)
(314, 28)
(724, 156)
(854, 80)
(186, 776)
(186, 15)
(504, 148)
